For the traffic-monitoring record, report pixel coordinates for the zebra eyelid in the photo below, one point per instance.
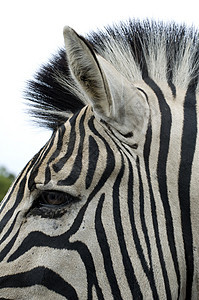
(56, 198)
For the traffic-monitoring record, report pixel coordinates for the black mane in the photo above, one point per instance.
(47, 97)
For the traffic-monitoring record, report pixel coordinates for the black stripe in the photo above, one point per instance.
(187, 153)
(9, 246)
(10, 212)
(47, 174)
(59, 144)
(72, 138)
(165, 129)
(105, 249)
(173, 88)
(77, 166)
(142, 209)
(41, 156)
(39, 239)
(148, 271)
(92, 160)
(10, 229)
(129, 271)
(40, 276)
(154, 212)
(57, 151)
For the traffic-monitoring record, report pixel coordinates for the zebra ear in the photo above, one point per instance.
(113, 98)
(86, 71)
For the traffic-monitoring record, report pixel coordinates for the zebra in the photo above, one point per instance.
(108, 208)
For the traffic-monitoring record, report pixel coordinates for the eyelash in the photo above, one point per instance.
(55, 199)
(51, 204)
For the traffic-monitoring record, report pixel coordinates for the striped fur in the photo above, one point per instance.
(128, 227)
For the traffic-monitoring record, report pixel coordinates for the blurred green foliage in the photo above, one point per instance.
(6, 180)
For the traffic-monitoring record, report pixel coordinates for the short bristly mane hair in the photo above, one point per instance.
(137, 49)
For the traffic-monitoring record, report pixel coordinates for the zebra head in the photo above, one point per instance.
(107, 208)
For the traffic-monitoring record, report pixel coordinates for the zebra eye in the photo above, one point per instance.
(51, 204)
(54, 198)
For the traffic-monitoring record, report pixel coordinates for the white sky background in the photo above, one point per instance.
(31, 31)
